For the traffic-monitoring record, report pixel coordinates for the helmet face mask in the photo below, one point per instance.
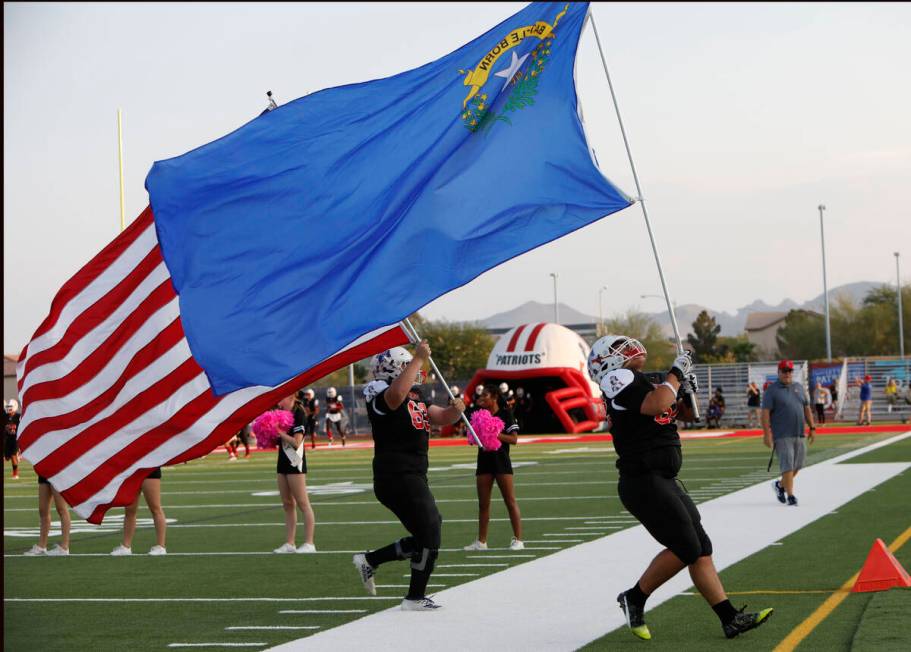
(612, 352)
(389, 365)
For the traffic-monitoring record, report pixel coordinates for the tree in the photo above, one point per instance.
(735, 349)
(802, 336)
(704, 337)
(642, 327)
(459, 348)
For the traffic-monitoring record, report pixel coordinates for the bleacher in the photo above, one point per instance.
(733, 379)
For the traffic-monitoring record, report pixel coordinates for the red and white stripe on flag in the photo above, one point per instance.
(110, 389)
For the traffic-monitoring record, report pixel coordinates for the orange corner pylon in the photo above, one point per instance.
(881, 571)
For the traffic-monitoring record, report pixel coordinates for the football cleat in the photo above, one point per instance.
(366, 572)
(635, 617)
(745, 622)
(421, 604)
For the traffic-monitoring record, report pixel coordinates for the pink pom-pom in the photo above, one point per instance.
(487, 428)
(269, 425)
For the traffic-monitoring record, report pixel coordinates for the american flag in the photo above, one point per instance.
(110, 389)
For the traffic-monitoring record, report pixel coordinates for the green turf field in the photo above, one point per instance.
(220, 572)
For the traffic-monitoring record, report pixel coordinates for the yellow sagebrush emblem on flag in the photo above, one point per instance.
(475, 109)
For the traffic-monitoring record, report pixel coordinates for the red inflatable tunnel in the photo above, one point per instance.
(549, 362)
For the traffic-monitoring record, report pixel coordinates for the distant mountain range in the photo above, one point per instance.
(731, 324)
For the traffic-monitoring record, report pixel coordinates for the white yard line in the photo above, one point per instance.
(323, 599)
(248, 627)
(323, 611)
(217, 644)
(556, 602)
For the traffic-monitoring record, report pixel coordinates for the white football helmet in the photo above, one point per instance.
(504, 388)
(309, 393)
(455, 391)
(331, 393)
(11, 404)
(612, 352)
(389, 365)
(479, 390)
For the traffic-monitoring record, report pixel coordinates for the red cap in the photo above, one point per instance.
(868, 378)
(786, 364)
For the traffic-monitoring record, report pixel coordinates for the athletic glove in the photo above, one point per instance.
(693, 383)
(683, 364)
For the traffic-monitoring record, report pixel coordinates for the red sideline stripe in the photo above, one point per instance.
(92, 270)
(101, 355)
(515, 338)
(570, 438)
(226, 429)
(148, 354)
(533, 338)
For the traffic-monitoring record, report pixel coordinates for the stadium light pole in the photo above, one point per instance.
(556, 310)
(901, 327)
(825, 285)
(601, 305)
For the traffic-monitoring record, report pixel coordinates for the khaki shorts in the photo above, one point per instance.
(791, 452)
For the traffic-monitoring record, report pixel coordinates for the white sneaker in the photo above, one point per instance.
(285, 548)
(306, 547)
(232, 458)
(477, 545)
(35, 550)
(121, 551)
(515, 544)
(366, 572)
(158, 550)
(58, 551)
(423, 604)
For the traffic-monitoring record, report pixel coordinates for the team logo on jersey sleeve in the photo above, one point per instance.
(520, 72)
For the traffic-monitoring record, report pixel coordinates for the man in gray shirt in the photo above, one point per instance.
(785, 405)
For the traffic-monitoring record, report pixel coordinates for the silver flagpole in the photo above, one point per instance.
(412, 333)
(641, 201)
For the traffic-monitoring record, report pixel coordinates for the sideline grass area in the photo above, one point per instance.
(216, 510)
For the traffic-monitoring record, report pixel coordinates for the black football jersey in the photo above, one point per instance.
(400, 437)
(334, 405)
(635, 433)
(312, 407)
(510, 427)
(11, 426)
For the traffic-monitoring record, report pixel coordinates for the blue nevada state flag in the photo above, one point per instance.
(330, 219)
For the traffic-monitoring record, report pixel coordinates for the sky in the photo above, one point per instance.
(742, 119)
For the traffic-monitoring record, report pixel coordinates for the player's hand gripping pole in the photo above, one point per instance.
(412, 334)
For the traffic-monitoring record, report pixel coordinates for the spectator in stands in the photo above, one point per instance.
(821, 400)
(891, 391)
(716, 409)
(10, 430)
(46, 493)
(785, 405)
(866, 401)
(291, 474)
(754, 401)
(151, 491)
(496, 465)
